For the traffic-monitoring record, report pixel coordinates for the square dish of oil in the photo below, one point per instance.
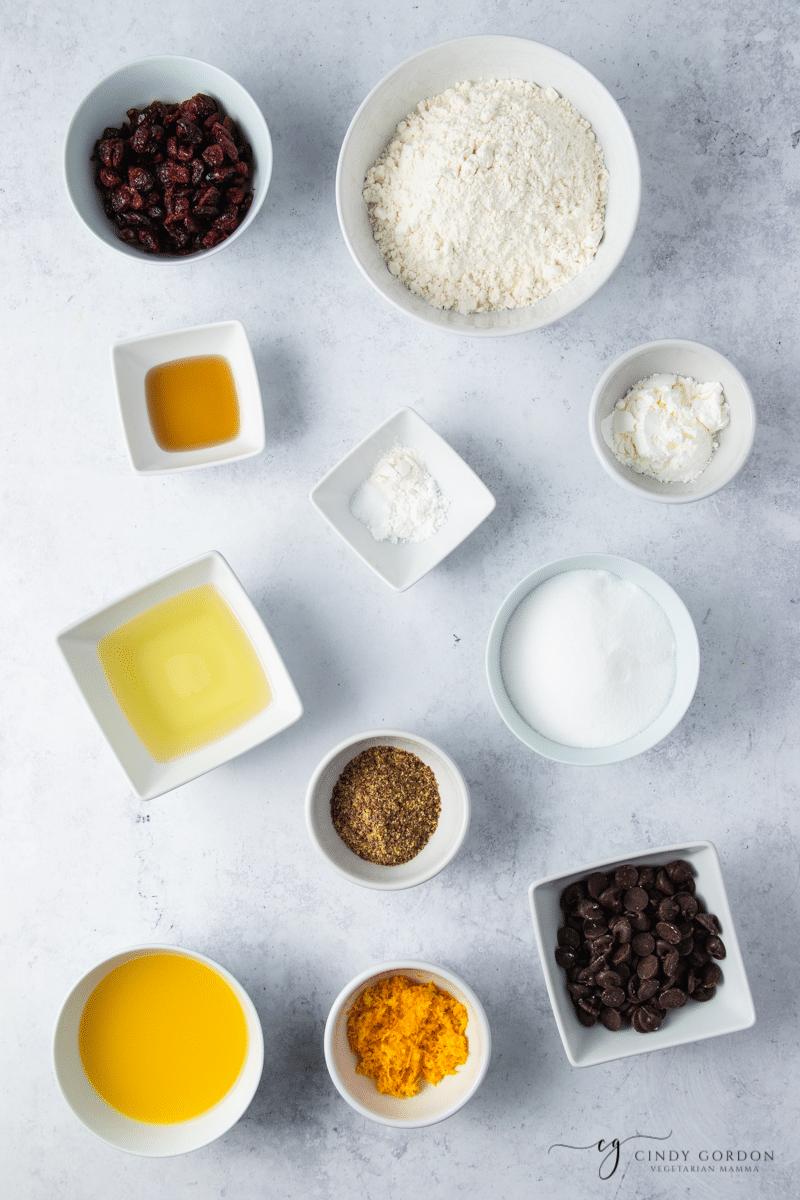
(188, 399)
(181, 675)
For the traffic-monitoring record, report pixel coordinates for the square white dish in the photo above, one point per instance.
(148, 777)
(730, 1010)
(132, 358)
(403, 564)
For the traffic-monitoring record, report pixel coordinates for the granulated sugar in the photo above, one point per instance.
(400, 501)
(588, 659)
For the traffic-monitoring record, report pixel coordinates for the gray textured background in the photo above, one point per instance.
(224, 865)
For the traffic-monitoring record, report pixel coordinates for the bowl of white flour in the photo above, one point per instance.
(488, 186)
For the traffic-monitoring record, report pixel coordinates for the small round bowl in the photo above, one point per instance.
(140, 1137)
(429, 74)
(431, 1104)
(687, 662)
(440, 850)
(168, 78)
(674, 356)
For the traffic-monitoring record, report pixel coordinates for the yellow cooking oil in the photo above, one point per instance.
(192, 402)
(163, 1038)
(184, 673)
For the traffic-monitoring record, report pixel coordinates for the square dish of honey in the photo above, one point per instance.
(181, 675)
(188, 399)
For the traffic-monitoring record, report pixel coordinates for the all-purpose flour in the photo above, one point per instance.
(489, 196)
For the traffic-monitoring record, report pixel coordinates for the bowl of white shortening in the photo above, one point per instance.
(699, 365)
(592, 660)
(490, 61)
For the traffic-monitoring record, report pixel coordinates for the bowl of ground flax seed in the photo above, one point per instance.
(387, 809)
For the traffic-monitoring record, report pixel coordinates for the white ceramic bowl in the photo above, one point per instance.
(133, 358)
(687, 661)
(445, 842)
(674, 356)
(149, 778)
(172, 79)
(429, 74)
(729, 1010)
(431, 1104)
(141, 1137)
(404, 564)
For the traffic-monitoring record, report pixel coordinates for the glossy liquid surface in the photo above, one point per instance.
(192, 402)
(184, 673)
(163, 1038)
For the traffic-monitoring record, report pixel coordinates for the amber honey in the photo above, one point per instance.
(192, 402)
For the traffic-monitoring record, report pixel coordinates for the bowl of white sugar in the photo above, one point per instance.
(592, 660)
(488, 186)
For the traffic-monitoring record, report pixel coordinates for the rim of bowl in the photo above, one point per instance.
(253, 1027)
(579, 756)
(617, 472)
(252, 212)
(379, 735)
(636, 185)
(406, 964)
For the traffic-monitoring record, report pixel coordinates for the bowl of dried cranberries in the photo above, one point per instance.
(168, 159)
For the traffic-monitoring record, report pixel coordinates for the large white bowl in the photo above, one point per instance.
(675, 356)
(687, 661)
(431, 1104)
(149, 778)
(445, 842)
(172, 79)
(404, 564)
(142, 1137)
(429, 74)
(731, 1009)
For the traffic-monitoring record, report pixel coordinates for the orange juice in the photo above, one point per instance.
(192, 402)
(163, 1038)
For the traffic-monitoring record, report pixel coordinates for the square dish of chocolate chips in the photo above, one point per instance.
(637, 943)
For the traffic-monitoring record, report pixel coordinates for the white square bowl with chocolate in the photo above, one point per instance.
(727, 1010)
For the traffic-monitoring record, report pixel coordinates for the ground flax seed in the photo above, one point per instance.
(385, 805)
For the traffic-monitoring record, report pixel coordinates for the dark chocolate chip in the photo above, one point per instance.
(668, 932)
(635, 899)
(647, 967)
(665, 884)
(646, 1019)
(611, 1018)
(672, 998)
(643, 943)
(568, 937)
(596, 884)
(627, 876)
(716, 947)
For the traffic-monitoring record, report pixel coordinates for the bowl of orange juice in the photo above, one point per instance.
(158, 1050)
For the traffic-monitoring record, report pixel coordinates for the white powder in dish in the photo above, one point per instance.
(489, 196)
(400, 501)
(664, 427)
(588, 659)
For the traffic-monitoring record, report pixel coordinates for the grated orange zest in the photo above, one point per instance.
(404, 1032)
